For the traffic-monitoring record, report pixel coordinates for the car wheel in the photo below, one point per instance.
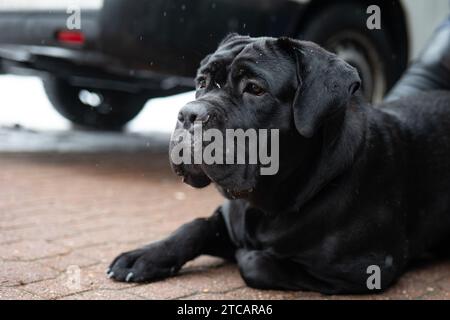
(342, 29)
(93, 108)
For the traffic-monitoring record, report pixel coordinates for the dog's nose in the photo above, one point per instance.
(191, 113)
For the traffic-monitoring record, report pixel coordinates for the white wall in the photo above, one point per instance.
(423, 16)
(48, 4)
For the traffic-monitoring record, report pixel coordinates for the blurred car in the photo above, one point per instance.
(126, 52)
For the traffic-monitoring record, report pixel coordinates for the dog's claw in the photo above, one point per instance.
(110, 274)
(129, 277)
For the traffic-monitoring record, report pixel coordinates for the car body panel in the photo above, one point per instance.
(158, 39)
(178, 42)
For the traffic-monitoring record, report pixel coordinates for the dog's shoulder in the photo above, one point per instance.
(425, 111)
(432, 103)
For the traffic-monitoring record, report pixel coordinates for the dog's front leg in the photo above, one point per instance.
(166, 257)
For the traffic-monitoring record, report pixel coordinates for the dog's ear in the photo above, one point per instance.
(325, 84)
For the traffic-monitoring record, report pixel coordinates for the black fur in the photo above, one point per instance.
(358, 185)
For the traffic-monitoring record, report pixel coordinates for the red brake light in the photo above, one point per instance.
(70, 37)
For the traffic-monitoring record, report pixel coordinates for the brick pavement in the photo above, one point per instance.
(64, 215)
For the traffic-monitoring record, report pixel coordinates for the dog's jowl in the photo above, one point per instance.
(359, 191)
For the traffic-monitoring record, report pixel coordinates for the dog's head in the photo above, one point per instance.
(260, 83)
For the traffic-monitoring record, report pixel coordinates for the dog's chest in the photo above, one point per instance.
(252, 229)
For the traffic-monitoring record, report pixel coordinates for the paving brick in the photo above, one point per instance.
(352, 297)
(437, 295)
(30, 250)
(203, 263)
(13, 273)
(62, 262)
(208, 296)
(252, 294)
(16, 294)
(94, 277)
(407, 289)
(164, 290)
(62, 211)
(429, 272)
(54, 288)
(91, 278)
(50, 231)
(223, 279)
(444, 283)
(103, 295)
(193, 281)
(105, 253)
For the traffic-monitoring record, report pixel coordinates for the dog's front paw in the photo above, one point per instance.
(142, 265)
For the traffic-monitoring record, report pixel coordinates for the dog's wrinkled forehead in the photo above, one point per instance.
(227, 51)
(261, 57)
(231, 47)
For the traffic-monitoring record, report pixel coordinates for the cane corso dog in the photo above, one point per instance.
(359, 189)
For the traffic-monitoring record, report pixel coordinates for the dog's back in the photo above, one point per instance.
(419, 129)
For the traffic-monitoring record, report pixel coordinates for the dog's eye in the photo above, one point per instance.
(202, 83)
(254, 89)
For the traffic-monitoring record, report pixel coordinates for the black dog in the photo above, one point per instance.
(357, 186)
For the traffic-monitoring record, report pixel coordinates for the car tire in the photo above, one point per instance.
(342, 29)
(93, 108)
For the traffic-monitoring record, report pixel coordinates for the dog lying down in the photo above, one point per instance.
(359, 188)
